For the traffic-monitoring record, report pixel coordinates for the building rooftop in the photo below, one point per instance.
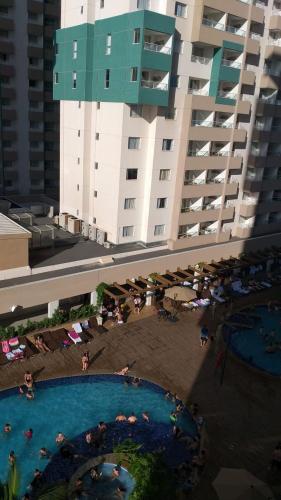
(10, 228)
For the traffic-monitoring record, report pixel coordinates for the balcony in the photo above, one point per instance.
(200, 60)
(154, 47)
(198, 240)
(150, 84)
(161, 43)
(209, 189)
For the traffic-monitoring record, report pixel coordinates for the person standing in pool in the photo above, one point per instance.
(28, 434)
(28, 380)
(12, 458)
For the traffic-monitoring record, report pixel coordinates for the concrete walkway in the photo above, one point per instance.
(242, 415)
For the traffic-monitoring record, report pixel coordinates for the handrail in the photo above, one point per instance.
(198, 92)
(201, 60)
(200, 123)
(154, 85)
(213, 24)
(236, 31)
(231, 64)
(154, 47)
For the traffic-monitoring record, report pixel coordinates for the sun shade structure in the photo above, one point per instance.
(177, 277)
(180, 293)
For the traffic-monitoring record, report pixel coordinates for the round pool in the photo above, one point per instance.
(72, 406)
(260, 344)
(106, 487)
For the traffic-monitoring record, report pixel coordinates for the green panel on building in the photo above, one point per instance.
(224, 73)
(113, 63)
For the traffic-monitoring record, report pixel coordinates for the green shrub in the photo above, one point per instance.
(100, 292)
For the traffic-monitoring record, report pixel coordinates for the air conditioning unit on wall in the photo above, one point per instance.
(101, 236)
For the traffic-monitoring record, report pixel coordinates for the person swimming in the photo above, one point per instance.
(12, 458)
(132, 419)
(44, 453)
(145, 416)
(60, 438)
(28, 380)
(7, 428)
(116, 471)
(120, 418)
(28, 434)
(173, 417)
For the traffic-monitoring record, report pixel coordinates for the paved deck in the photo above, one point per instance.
(242, 415)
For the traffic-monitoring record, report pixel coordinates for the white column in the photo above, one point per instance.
(52, 306)
(93, 298)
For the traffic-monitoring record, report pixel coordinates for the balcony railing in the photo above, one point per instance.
(213, 24)
(255, 36)
(273, 41)
(200, 208)
(150, 84)
(208, 153)
(155, 47)
(276, 12)
(202, 123)
(227, 95)
(194, 182)
(198, 92)
(258, 3)
(201, 60)
(231, 64)
(236, 31)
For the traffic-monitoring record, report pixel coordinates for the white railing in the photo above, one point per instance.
(231, 64)
(150, 84)
(220, 153)
(202, 123)
(259, 4)
(194, 182)
(276, 12)
(228, 95)
(213, 24)
(198, 153)
(154, 47)
(273, 41)
(255, 36)
(198, 92)
(201, 60)
(236, 31)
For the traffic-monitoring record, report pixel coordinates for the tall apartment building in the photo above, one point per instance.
(170, 119)
(29, 118)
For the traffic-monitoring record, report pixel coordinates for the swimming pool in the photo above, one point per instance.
(106, 487)
(72, 406)
(250, 344)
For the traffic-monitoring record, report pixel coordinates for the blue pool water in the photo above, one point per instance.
(250, 344)
(72, 406)
(106, 487)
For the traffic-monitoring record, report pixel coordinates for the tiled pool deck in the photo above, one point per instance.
(242, 414)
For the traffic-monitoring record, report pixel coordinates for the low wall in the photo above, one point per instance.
(46, 290)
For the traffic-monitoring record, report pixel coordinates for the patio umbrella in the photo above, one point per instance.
(239, 484)
(181, 293)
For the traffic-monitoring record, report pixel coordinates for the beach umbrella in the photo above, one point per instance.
(240, 484)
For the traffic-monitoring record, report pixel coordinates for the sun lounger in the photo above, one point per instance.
(77, 328)
(75, 337)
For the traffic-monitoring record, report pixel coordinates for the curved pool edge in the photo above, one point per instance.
(235, 355)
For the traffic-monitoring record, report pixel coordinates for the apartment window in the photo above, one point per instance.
(94, 220)
(106, 79)
(161, 202)
(98, 105)
(132, 174)
(95, 194)
(34, 144)
(74, 49)
(8, 164)
(77, 187)
(159, 229)
(108, 44)
(167, 144)
(134, 143)
(33, 83)
(180, 9)
(33, 39)
(129, 203)
(128, 231)
(8, 123)
(136, 110)
(165, 174)
(170, 114)
(77, 212)
(78, 160)
(74, 80)
(56, 48)
(96, 165)
(79, 104)
(101, 4)
(134, 74)
(81, 9)
(4, 33)
(136, 35)
(34, 125)
(78, 133)
(5, 102)
(56, 78)
(97, 136)
(33, 61)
